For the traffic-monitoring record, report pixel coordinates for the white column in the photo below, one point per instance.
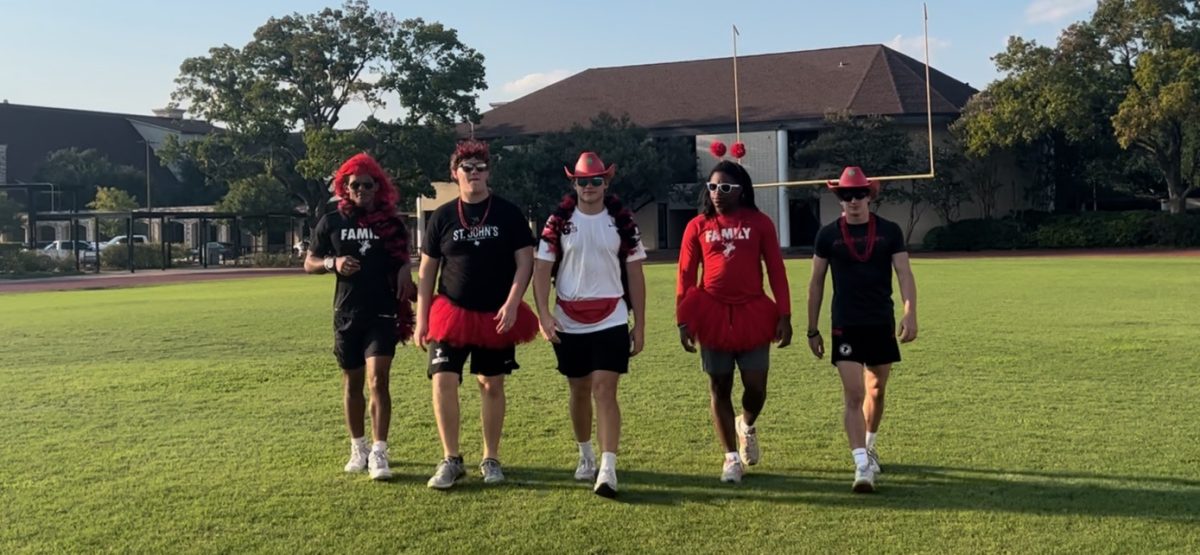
(420, 231)
(783, 221)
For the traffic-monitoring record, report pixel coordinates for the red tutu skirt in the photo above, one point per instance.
(727, 327)
(449, 323)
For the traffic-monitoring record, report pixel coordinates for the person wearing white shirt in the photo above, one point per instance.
(592, 249)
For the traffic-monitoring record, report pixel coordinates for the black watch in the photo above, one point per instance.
(813, 333)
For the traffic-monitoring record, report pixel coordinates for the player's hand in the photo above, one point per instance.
(346, 265)
(817, 344)
(637, 340)
(783, 331)
(686, 339)
(549, 327)
(908, 328)
(505, 318)
(419, 333)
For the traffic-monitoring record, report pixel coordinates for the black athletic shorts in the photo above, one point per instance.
(869, 345)
(580, 354)
(444, 357)
(357, 337)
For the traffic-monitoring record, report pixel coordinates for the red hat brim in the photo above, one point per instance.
(608, 172)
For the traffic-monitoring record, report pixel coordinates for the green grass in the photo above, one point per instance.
(1049, 405)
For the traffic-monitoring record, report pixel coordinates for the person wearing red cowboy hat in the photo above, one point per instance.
(479, 251)
(592, 248)
(862, 249)
(365, 243)
(729, 314)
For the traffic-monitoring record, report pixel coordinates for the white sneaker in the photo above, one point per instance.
(358, 458)
(606, 483)
(490, 469)
(747, 442)
(377, 462)
(448, 471)
(586, 471)
(732, 472)
(864, 479)
(873, 460)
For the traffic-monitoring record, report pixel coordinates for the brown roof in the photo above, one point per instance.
(697, 96)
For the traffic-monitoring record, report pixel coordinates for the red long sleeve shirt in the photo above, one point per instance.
(733, 248)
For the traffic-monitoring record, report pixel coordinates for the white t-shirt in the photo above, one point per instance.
(590, 268)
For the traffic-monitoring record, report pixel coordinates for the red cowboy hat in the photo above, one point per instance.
(590, 165)
(853, 177)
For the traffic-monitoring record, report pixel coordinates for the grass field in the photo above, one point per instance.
(1048, 406)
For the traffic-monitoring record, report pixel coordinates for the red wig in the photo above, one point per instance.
(386, 195)
(467, 150)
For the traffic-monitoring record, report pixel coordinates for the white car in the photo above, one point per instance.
(62, 249)
(121, 240)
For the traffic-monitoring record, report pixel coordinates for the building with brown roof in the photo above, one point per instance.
(784, 100)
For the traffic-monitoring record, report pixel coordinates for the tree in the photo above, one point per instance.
(86, 171)
(111, 199)
(878, 146)
(874, 143)
(257, 195)
(1125, 82)
(281, 95)
(531, 172)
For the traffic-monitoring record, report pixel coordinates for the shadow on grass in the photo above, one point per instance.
(902, 487)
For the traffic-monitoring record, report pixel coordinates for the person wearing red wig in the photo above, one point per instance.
(862, 249)
(365, 243)
(729, 314)
(479, 251)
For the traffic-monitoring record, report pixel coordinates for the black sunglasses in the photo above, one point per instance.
(850, 195)
(468, 168)
(586, 181)
(356, 185)
(725, 188)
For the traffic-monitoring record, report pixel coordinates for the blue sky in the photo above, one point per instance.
(123, 56)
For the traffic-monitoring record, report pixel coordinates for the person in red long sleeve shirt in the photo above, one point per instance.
(728, 313)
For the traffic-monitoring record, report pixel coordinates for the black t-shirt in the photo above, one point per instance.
(862, 291)
(478, 265)
(372, 289)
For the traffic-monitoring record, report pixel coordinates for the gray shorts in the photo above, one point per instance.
(721, 363)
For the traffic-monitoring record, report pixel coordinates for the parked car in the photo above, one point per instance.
(217, 251)
(122, 240)
(62, 249)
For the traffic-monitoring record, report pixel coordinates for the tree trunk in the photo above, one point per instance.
(1177, 204)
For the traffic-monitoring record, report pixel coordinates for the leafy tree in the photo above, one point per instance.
(111, 199)
(86, 171)
(531, 173)
(281, 95)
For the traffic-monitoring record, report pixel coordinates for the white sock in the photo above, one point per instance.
(359, 442)
(860, 457)
(870, 440)
(733, 456)
(585, 450)
(608, 460)
(379, 446)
